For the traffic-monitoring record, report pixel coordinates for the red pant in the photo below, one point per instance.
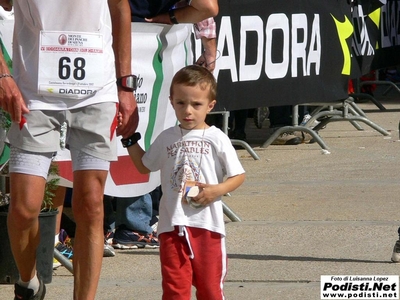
(206, 270)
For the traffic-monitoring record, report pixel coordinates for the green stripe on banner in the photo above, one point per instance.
(5, 155)
(7, 57)
(158, 69)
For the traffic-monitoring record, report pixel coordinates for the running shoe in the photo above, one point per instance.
(64, 238)
(108, 250)
(396, 252)
(23, 293)
(65, 250)
(64, 246)
(128, 239)
(108, 237)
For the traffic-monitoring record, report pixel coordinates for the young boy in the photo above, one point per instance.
(193, 158)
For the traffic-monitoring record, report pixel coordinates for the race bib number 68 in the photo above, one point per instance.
(70, 64)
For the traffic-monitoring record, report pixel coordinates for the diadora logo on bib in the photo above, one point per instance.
(75, 92)
(286, 46)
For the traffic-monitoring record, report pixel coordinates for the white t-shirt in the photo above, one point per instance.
(202, 155)
(62, 54)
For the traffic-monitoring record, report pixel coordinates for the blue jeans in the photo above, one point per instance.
(135, 213)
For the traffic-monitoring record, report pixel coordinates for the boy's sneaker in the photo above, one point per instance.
(396, 252)
(127, 239)
(23, 293)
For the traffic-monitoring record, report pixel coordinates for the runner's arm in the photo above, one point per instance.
(10, 96)
(121, 27)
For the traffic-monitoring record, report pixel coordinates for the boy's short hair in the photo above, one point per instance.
(194, 75)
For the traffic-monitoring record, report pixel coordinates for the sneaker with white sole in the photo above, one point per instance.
(108, 251)
(128, 239)
(396, 252)
(65, 250)
(23, 293)
(287, 138)
(64, 246)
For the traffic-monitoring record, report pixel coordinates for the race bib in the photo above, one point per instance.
(70, 64)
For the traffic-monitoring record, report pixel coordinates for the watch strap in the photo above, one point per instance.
(172, 17)
(132, 140)
(122, 82)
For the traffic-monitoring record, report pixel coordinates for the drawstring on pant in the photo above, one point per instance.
(183, 232)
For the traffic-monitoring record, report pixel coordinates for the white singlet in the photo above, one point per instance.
(65, 58)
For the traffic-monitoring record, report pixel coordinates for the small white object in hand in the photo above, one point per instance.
(193, 192)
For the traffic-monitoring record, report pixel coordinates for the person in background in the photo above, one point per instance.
(136, 221)
(38, 108)
(62, 242)
(165, 11)
(197, 12)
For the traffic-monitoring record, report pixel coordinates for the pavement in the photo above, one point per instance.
(304, 213)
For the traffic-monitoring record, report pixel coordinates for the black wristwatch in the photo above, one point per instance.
(172, 17)
(128, 82)
(132, 140)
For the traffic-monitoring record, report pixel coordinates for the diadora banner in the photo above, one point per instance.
(376, 38)
(282, 52)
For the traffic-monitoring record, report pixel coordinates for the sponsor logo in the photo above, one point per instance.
(67, 91)
(62, 39)
(295, 39)
(359, 287)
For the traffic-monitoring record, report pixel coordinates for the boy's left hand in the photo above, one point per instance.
(208, 193)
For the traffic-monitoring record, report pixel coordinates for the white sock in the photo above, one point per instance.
(33, 284)
(56, 239)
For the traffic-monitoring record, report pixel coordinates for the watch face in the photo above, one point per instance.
(129, 82)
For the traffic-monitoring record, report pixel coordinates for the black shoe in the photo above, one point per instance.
(23, 293)
(260, 115)
(287, 138)
(237, 135)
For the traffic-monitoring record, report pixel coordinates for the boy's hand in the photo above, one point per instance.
(208, 193)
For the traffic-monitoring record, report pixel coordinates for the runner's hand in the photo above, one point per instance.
(128, 119)
(6, 4)
(11, 99)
